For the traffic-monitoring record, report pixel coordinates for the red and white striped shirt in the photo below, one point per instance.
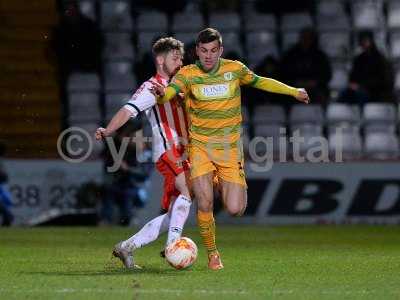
(168, 121)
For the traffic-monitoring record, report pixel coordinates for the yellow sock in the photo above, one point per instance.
(206, 223)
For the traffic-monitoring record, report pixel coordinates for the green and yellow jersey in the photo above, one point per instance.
(212, 99)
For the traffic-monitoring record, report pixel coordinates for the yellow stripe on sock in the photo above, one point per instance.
(206, 225)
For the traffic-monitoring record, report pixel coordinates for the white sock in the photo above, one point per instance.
(179, 214)
(149, 233)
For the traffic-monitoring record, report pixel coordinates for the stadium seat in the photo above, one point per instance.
(336, 44)
(269, 114)
(379, 117)
(118, 46)
(395, 45)
(379, 112)
(260, 22)
(367, 14)
(332, 16)
(225, 21)
(337, 23)
(347, 145)
(339, 77)
(113, 102)
(186, 37)
(83, 107)
(308, 145)
(381, 146)
(260, 44)
(232, 43)
(295, 21)
(83, 82)
(289, 38)
(307, 136)
(88, 9)
(276, 134)
(119, 77)
(116, 15)
(145, 40)
(393, 20)
(329, 8)
(307, 129)
(302, 114)
(152, 21)
(269, 130)
(343, 117)
(342, 113)
(187, 22)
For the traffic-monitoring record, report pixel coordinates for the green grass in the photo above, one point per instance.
(298, 262)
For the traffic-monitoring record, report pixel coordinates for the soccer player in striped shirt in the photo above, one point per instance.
(213, 103)
(169, 129)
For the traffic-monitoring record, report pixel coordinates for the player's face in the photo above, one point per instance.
(209, 54)
(172, 62)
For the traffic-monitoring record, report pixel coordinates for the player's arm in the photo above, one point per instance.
(247, 77)
(275, 86)
(142, 100)
(118, 120)
(179, 84)
(163, 94)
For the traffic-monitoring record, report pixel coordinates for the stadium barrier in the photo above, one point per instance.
(290, 193)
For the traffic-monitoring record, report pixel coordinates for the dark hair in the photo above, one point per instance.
(209, 35)
(365, 34)
(164, 45)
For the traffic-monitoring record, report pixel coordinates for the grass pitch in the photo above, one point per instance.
(297, 262)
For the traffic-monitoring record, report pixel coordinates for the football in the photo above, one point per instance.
(182, 253)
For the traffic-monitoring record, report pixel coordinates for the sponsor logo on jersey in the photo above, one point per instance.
(216, 90)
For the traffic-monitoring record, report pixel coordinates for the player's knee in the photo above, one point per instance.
(205, 206)
(203, 196)
(236, 209)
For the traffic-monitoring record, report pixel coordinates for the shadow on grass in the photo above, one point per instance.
(113, 272)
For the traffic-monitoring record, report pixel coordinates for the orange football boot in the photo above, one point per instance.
(214, 261)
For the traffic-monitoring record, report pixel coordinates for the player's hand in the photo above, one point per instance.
(101, 133)
(302, 96)
(157, 89)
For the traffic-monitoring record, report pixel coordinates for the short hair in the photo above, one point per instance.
(365, 34)
(165, 45)
(209, 35)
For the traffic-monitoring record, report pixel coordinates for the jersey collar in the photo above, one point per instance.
(160, 79)
(213, 70)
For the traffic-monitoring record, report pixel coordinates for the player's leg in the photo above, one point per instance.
(203, 190)
(202, 173)
(232, 181)
(173, 168)
(179, 209)
(234, 197)
(149, 232)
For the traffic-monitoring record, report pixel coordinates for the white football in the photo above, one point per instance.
(182, 253)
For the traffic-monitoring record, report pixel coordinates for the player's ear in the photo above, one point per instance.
(221, 50)
(160, 60)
